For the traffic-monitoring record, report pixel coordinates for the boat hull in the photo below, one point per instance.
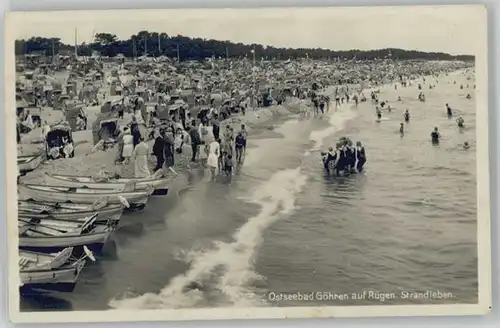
(43, 288)
(102, 217)
(159, 185)
(63, 279)
(94, 241)
(77, 250)
(32, 206)
(89, 197)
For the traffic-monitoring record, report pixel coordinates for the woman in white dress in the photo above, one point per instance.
(128, 145)
(140, 155)
(203, 132)
(213, 156)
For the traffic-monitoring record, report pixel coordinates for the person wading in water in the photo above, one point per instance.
(449, 112)
(435, 136)
(360, 155)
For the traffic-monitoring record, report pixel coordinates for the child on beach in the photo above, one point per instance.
(228, 165)
(179, 141)
(128, 145)
(203, 151)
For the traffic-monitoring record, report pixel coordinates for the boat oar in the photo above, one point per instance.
(88, 253)
(124, 201)
(43, 226)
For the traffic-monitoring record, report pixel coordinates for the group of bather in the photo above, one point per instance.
(345, 158)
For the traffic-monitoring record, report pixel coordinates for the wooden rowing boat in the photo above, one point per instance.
(75, 217)
(52, 237)
(48, 272)
(34, 210)
(80, 195)
(159, 185)
(100, 206)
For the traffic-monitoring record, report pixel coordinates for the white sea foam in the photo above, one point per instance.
(277, 199)
(337, 122)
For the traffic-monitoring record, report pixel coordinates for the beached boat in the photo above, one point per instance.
(33, 261)
(159, 185)
(50, 227)
(80, 195)
(42, 273)
(34, 210)
(52, 238)
(29, 163)
(75, 217)
(33, 206)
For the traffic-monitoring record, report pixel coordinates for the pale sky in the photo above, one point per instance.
(451, 29)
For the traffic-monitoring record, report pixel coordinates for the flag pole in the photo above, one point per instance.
(253, 55)
(76, 44)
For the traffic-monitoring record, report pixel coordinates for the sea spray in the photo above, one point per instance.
(337, 122)
(277, 199)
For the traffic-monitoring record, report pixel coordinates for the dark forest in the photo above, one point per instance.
(186, 48)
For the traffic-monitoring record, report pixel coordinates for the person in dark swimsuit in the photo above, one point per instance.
(407, 116)
(435, 136)
(136, 133)
(239, 144)
(449, 112)
(328, 158)
(360, 155)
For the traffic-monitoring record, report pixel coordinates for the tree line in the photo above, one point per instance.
(186, 48)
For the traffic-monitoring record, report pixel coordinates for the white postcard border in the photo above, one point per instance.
(483, 207)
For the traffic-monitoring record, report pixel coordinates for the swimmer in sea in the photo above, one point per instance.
(402, 129)
(449, 112)
(360, 156)
(407, 116)
(460, 122)
(466, 145)
(379, 113)
(435, 136)
(399, 98)
(468, 96)
(389, 109)
(330, 156)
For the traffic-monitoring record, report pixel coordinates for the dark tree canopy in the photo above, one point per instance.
(160, 44)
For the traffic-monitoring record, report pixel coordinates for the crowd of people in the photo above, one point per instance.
(345, 158)
(208, 147)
